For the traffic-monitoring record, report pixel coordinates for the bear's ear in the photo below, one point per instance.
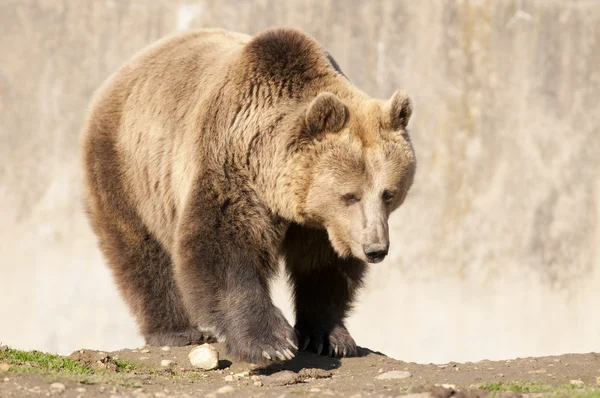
(399, 110)
(326, 113)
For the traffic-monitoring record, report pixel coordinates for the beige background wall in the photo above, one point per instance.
(496, 253)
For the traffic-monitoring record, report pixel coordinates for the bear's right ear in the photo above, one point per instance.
(326, 113)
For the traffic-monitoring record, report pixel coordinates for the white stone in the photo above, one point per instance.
(241, 375)
(59, 387)
(394, 374)
(577, 383)
(229, 378)
(258, 383)
(166, 348)
(166, 362)
(225, 390)
(204, 357)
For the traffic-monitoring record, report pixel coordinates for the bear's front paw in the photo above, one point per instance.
(262, 340)
(335, 343)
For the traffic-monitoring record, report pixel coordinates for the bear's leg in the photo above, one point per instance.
(140, 266)
(225, 255)
(324, 286)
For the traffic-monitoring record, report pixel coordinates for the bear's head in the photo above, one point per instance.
(362, 165)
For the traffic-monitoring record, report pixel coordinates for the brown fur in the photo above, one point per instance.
(209, 156)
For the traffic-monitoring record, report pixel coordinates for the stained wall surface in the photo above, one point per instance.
(495, 254)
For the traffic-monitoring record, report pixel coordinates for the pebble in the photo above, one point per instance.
(255, 378)
(229, 378)
(6, 379)
(241, 375)
(160, 395)
(204, 357)
(166, 362)
(394, 374)
(4, 367)
(59, 387)
(81, 389)
(537, 371)
(143, 358)
(283, 378)
(145, 351)
(225, 390)
(166, 348)
(314, 373)
(577, 383)
(258, 383)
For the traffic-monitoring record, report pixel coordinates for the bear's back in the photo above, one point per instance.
(143, 111)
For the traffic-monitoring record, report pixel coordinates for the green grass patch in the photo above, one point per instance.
(123, 365)
(516, 387)
(39, 362)
(546, 391)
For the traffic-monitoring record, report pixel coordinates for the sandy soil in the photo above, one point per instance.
(307, 375)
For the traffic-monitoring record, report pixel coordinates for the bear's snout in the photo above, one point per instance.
(376, 252)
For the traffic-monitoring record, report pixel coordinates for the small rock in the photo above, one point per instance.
(314, 373)
(166, 362)
(160, 395)
(58, 387)
(537, 371)
(283, 378)
(225, 390)
(448, 386)
(241, 375)
(81, 389)
(143, 358)
(577, 383)
(255, 378)
(166, 348)
(258, 383)
(4, 367)
(229, 378)
(145, 351)
(204, 357)
(394, 374)
(598, 380)
(6, 379)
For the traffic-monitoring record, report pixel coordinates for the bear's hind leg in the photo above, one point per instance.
(140, 266)
(324, 287)
(143, 272)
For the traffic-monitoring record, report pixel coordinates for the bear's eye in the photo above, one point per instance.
(350, 198)
(387, 196)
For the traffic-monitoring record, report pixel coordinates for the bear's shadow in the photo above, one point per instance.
(308, 360)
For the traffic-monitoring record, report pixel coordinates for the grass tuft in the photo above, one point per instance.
(36, 362)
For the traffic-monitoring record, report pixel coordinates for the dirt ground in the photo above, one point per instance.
(139, 373)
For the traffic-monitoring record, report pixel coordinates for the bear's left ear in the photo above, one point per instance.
(399, 110)
(326, 113)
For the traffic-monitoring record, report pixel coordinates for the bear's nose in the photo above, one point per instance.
(375, 252)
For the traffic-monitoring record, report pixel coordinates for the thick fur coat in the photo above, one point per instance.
(212, 155)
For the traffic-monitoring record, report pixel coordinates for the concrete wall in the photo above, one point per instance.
(496, 253)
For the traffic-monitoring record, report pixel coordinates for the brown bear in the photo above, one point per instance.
(210, 156)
